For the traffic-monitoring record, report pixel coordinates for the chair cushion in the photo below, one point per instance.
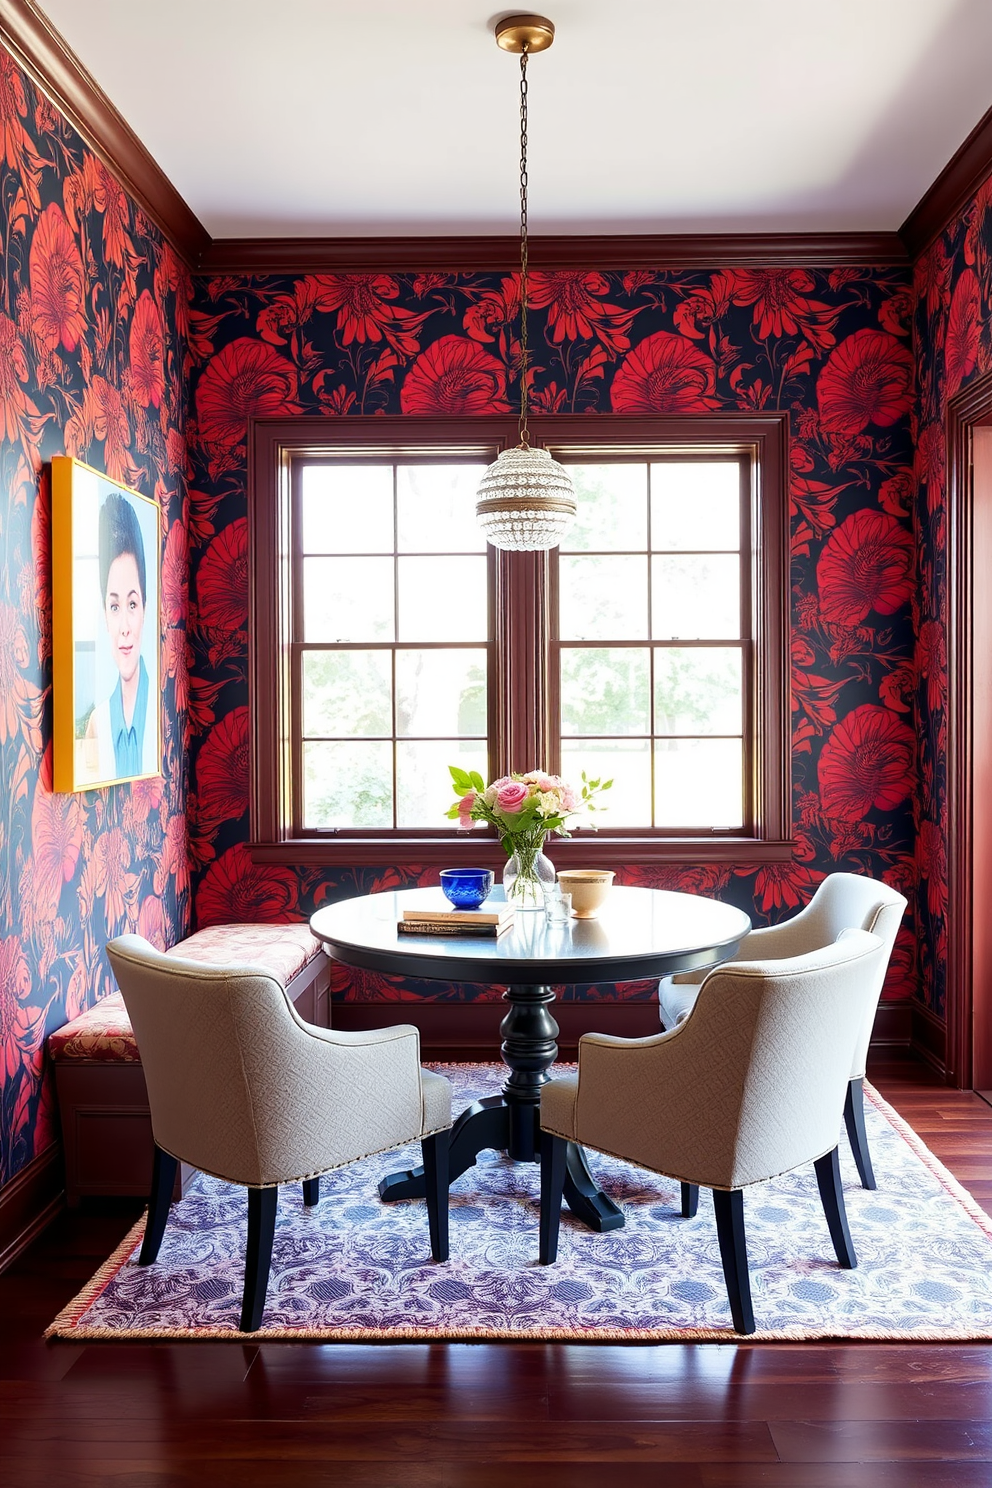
(103, 1033)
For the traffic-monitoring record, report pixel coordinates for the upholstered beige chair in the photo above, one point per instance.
(843, 901)
(750, 1085)
(240, 1087)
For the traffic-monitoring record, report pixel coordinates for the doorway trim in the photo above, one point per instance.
(969, 408)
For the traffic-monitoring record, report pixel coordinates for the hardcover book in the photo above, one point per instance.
(496, 914)
(454, 928)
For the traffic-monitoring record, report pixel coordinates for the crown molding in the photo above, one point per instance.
(587, 251)
(38, 48)
(957, 183)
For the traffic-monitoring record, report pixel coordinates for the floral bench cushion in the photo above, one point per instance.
(104, 1032)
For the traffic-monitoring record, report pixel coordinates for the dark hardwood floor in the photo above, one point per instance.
(481, 1415)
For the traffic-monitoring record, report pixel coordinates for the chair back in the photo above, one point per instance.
(218, 1047)
(849, 901)
(768, 1050)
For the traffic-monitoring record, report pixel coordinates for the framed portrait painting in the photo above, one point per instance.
(105, 630)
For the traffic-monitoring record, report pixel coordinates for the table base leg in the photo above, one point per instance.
(584, 1196)
(511, 1121)
(483, 1124)
(504, 1127)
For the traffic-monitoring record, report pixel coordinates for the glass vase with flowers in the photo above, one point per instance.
(525, 810)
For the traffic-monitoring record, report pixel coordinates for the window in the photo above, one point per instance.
(650, 648)
(393, 643)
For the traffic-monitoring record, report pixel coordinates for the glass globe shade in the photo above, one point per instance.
(526, 501)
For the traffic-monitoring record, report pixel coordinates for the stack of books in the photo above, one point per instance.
(486, 922)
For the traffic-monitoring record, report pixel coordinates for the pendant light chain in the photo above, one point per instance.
(526, 499)
(524, 362)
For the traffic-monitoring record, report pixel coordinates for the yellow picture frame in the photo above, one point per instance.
(106, 630)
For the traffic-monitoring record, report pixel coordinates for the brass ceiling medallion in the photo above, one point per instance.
(534, 32)
(526, 501)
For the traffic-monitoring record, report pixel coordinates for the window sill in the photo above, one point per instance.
(588, 849)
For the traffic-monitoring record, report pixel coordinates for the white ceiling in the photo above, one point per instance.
(319, 117)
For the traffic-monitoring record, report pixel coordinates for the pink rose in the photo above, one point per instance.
(511, 796)
(568, 799)
(465, 805)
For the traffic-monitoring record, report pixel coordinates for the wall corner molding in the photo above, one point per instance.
(580, 251)
(41, 52)
(29, 1202)
(961, 177)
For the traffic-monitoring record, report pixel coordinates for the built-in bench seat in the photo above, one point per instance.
(103, 1103)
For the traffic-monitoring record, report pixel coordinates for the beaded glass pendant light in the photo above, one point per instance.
(526, 501)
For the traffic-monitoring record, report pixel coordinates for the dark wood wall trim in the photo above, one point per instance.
(581, 251)
(29, 1202)
(956, 184)
(893, 1025)
(970, 407)
(929, 1042)
(38, 48)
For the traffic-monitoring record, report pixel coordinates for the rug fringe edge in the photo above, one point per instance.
(97, 1283)
(931, 1161)
(537, 1335)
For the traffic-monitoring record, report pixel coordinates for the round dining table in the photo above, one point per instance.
(637, 934)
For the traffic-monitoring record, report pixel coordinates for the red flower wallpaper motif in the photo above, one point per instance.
(455, 376)
(866, 764)
(247, 379)
(57, 289)
(92, 363)
(866, 564)
(868, 379)
(665, 374)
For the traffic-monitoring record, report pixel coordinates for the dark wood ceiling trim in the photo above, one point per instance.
(38, 48)
(953, 188)
(502, 254)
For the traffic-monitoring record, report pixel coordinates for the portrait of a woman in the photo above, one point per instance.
(120, 723)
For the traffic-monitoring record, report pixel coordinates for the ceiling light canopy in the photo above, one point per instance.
(526, 500)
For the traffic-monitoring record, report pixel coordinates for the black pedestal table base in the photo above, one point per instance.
(510, 1122)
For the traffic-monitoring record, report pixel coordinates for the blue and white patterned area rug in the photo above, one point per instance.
(355, 1269)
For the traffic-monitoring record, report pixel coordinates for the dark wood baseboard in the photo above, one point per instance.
(450, 1030)
(893, 1026)
(29, 1203)
(929, 1042)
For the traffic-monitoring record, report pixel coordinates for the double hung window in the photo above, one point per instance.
(650, 648)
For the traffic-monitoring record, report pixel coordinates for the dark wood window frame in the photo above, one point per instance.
(525, 723)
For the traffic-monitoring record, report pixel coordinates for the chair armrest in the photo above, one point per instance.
(614, 1041)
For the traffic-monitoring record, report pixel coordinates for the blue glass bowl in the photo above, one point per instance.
(466, 888)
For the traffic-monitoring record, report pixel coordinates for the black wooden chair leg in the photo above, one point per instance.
(854, 1120)
(262, 1203)
(435, 1155)
(729, 1209)
(690, 1200)
(311, 1192)
(163, 1179)
(554, 1158)
(832, 1197)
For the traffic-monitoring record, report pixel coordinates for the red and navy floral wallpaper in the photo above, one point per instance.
(93, 325)
(833, 346)
(953, 344)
